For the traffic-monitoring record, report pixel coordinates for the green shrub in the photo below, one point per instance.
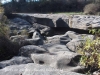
(24, 32)
(91, 9)
(4, 29)
(90, 51)
(7, 48)
(1, 9)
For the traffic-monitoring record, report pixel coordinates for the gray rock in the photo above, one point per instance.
(18, 24)
(32, 69)
(44, 59)
(54, 39)
(44, 30)
(47, 31)
(56, 48)
(78, 40)
(73, 44)
(64, 39)
(29, 49)
(13, 70)
(20, 21)
(84, 21)
(51, 20)
(15, 61)
(71, 34)
(58, 39)
(96, 72)
(36, 34)
(35, 41)
(74, 35)
(18, 38)
(60, 60)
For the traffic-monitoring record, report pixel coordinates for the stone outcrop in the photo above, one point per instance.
(50, 47)
(83, 22)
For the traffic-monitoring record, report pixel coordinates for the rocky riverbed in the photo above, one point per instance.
(50, 46)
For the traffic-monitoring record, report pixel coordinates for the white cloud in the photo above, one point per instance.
(4, 1)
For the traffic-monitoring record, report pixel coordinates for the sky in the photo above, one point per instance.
(3, 1)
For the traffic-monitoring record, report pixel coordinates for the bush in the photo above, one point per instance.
(3, 27)
(91, 9)
(7, 48)
(90, 51)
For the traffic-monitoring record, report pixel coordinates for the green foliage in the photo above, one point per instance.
(91, 54)
(1, 9)
(90, 51)
(3, 28)
(96, 32)
(24, 32)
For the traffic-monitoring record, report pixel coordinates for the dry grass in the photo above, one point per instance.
(92, 9)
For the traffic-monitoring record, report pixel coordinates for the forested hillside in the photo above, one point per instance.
(44, 6)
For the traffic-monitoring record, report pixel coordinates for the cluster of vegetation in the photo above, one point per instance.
(90, 51)
(7, 48)
(3, 28)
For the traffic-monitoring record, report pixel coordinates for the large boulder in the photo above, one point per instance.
(54, 39)
(77, 40)
(19, 24)
(72, 34)
(84, 22)
(44, 30)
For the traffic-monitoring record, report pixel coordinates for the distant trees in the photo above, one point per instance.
(46, 5)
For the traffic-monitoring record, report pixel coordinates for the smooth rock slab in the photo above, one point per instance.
(84, 21)
(60, 60)
(15, 61)
(29, 49)
(34, 69)
(13, 70)
(57, 48)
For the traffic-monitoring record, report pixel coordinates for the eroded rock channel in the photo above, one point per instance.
(49, 47)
